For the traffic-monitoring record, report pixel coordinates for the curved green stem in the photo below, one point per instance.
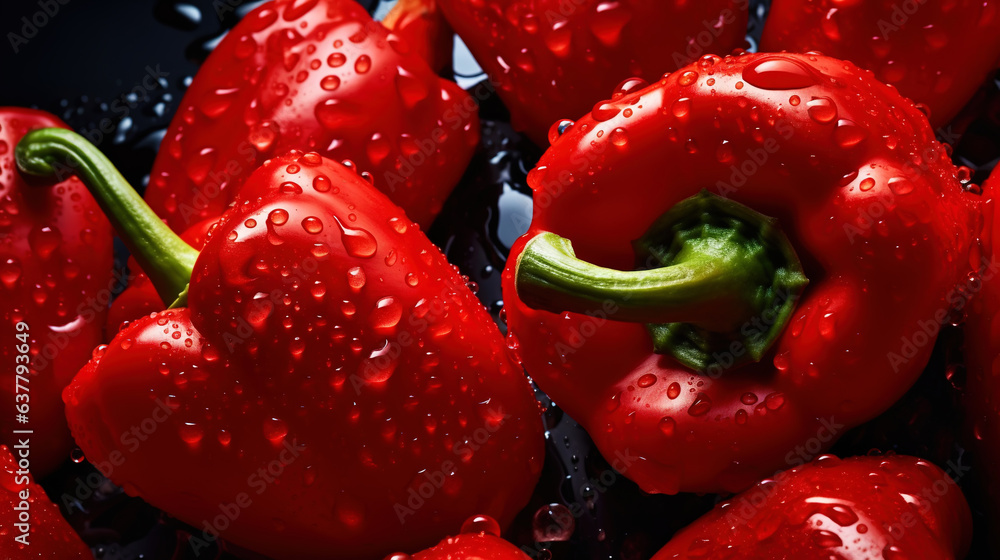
(717, 285)
(164, 257)
(708, 289)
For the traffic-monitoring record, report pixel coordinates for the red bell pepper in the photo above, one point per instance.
(32, 526)
(982, 339)
(479, 539)
(318, 75)
(327, 349)
(554, 59)
(674, 326)
(890, 507)
(56, 273)
(935, 53)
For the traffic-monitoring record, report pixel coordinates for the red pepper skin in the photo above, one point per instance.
(55, 264)
(982, 400)
(140, 298)
(365, 363)
(479, 539)
(49, 535)
(852, 509)
(318, 75)
(551, 59)
(863, 218)
(937, 54)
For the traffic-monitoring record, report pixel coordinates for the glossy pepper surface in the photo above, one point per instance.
(713, 334)
(982, 339)
(935, 53)
(853, 509)
(45, 534)
(317, 75)
(55, 268)
(553, 59)
(332, 376)
(479, 539)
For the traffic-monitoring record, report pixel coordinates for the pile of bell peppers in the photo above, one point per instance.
(734, 259)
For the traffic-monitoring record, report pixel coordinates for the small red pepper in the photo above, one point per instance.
(890, 507)
(332, 380)
(318, 75)
(479, 540)
(32, 525)
(674, 326)
(935, 53)
(55, 267)
(553, 59)
(982, 339)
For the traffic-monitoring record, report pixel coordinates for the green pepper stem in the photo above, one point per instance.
(711, 289)
(162, 254)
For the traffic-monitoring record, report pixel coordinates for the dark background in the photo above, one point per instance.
(83, 64)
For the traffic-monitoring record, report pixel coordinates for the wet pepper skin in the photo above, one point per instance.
(935, 52)
(315, 75)
(982, 339)
(49, 535)
(553, 59)
(328, 342)
(55, 266)
(891, 507)
(869, 200)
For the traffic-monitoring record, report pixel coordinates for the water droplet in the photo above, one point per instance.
(275, 430)
(312, 225)
(330, 83)
(687, 78)
(619, 137)
(667, 426)
(821, 109)
(848, 134)
(363, 64)
(336, 60)
(278, 217)
(778, 73)
(358, 242)
(553, 523)
(380, 364)
(608, 21)
(604, 111)
(701, 405)
(481, 524)
(900, 185)
(411, 89)
(386, 314)
(191, 433)
(674, 390)
(681, 108)
(646, 380)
